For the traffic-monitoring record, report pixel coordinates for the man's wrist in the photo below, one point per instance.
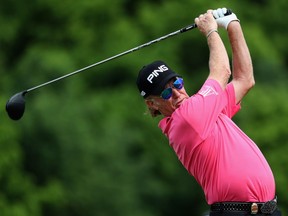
(210, 32)
(233, 23)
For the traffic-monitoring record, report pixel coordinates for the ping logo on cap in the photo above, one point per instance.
(156, 72)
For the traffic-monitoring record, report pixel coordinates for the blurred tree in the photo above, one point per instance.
(19, 193)
(84, 145)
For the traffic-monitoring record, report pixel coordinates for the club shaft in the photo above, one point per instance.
(185, 29)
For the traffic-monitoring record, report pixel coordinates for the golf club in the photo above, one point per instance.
(15, 106)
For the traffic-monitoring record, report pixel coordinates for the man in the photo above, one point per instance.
(230, 168)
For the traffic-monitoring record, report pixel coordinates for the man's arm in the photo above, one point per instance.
(218, 59)
(242, 72)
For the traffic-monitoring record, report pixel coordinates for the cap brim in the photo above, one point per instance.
(158, 90)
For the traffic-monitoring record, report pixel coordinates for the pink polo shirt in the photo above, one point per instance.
(223, 159)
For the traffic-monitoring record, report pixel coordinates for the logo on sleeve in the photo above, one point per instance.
(207, 91)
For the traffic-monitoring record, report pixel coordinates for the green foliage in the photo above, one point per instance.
(19, 192)
(84, 145)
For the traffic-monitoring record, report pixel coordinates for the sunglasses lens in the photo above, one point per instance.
(179, 83)
(167, 93)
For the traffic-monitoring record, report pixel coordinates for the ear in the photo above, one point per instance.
(151, 104)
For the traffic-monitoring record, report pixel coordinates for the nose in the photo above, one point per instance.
(175, 93)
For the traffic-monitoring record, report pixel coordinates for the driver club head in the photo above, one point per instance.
(15, 106)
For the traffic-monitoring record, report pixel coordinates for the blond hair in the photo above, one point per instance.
(153, 112)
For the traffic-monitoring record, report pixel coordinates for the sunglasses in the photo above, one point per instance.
(167, 93)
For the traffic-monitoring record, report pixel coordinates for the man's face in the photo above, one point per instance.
(168, 106)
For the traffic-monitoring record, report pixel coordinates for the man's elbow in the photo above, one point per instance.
(247, 80)
(244, 83)
(247, 85)
(251, 83)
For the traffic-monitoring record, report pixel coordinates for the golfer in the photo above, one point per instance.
(232, 171)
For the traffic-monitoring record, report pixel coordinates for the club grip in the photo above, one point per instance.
(229, 12)
(192, 26)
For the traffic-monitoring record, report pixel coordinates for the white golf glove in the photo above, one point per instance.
(221, 19)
